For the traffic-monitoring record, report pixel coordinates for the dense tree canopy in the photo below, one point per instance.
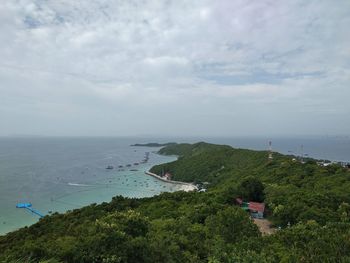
(252, 189)
(204, 226)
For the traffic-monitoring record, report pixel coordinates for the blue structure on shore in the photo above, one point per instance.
(28, 206)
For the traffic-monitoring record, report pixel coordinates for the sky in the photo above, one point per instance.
(174, 68)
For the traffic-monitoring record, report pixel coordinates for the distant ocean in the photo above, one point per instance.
(333, 148)
(59, 174)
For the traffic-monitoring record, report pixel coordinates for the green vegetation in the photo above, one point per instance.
(252, 189)
(153, 144)
(205, 226)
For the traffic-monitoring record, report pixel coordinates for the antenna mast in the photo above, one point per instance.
(270, 151)
(302, 153)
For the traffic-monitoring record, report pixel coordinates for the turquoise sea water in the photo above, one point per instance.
(60, 174)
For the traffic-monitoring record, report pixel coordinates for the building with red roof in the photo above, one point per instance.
(256, 209)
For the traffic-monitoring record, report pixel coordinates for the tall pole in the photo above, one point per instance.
(302, 153)
(270, 151)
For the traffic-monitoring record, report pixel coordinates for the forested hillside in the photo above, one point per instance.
(204, 226)
(295, 191)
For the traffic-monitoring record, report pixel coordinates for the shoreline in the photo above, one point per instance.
(184, 186)
(187, 187)
(103, 189)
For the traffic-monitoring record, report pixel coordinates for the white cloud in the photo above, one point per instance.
(183, 56)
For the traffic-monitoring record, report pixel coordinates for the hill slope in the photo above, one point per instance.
(203, 227)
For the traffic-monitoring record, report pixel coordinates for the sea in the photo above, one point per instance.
(331, 148)
(59, 174)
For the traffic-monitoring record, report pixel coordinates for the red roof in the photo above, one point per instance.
(254, 206)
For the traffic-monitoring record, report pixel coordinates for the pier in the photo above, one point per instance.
(28, 206)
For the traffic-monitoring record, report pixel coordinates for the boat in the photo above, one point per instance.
(109, 167)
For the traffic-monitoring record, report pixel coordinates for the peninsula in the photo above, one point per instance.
(308, 205)
(153, 144)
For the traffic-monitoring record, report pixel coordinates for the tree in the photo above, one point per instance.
(252, 189)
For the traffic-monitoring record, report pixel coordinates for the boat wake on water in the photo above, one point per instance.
(75, 184)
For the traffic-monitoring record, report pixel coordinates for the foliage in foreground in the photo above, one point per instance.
(204, 227)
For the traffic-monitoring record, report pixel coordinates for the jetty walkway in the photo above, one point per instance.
(28, 206)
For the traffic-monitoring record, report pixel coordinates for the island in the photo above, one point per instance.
(153, 144)
(257, 206)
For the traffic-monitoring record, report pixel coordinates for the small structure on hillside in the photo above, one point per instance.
(255, 209)
(167, 176)
(270, 157)
(243, 205)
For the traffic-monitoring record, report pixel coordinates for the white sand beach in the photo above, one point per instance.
(187, 187)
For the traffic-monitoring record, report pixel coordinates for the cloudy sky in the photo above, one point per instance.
(162, 67)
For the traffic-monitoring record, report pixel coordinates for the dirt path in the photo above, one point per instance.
(264, 226)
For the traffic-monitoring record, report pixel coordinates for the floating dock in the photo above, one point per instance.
(28, 206)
